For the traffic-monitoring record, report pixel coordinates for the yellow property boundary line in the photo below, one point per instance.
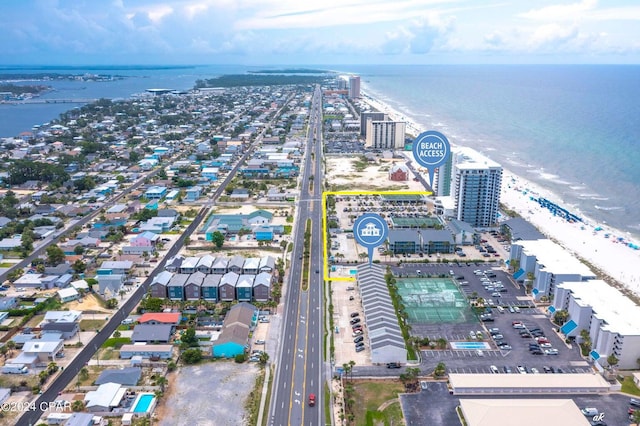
(325, 194)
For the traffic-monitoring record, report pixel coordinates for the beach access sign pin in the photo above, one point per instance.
(431, 150)
(370, 231)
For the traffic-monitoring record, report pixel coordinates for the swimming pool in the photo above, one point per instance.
(353, 271)
(469, 345)
(144, 403)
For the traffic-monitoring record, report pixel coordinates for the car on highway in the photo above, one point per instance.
(312, 400)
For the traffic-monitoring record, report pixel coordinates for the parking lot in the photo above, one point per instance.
(346, 302)
(434, 406)
(517, 344)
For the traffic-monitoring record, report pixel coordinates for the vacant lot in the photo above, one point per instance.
(213, 393)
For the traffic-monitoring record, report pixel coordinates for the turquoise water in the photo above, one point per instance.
(469, 345)
(353, 271)
(144, 402)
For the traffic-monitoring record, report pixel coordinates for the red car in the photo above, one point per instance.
(312, 400)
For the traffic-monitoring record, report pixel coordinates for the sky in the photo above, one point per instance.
(259, 32)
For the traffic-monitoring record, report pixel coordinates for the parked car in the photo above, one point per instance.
(358, 339)
(393, 365)
(354, 314)
(360, 349)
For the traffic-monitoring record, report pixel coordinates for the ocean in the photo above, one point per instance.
(572, 129)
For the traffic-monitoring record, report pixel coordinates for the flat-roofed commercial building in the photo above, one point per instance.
(610, 317)
(527, 384)
(528, 412)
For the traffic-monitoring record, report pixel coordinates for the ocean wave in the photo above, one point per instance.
(577, 187)
(607, 209)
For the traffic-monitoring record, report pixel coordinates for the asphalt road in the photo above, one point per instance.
(83, 357)
(300, 363)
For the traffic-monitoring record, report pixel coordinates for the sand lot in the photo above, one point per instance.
(341, 174)
(213, 393)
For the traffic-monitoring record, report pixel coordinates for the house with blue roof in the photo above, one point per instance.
(155, 192)
(210, 173)
(193, 193)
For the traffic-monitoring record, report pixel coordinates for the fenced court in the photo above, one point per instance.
(434, 301)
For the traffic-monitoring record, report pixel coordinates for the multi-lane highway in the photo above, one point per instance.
(299, 366)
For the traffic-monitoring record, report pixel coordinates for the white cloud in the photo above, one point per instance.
(560, 12)
(552, 35)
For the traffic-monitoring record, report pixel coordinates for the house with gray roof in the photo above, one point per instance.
(128, 376)
(262, 287)
(235, 264)
(175, 288)
(193, 286)
(227, 287)
(152, 333)
(158, 286)
(209, 289)
(220, 265)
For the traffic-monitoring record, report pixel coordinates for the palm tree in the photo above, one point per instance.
(162, 382)
(352, 364)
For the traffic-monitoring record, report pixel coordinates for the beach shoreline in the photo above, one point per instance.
(607, 250)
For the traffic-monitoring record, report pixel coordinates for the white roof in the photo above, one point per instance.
(67, 292)
(529, 412)
(79, 284)
(107, 395)
(251, 263)
(190, 262)
(527, 381)
(62, 316)
(555, 258)
(245, 281)
(609, 304)
(41, 346)
(467, 158)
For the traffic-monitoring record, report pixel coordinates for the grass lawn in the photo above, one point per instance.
(91, 324)
(6, 264)
(629, 387)
(93, 370)
(369, 395)
(35, 321)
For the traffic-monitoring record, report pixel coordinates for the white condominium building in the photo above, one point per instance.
(476, 182)
(549, 263)
(385, 134)
(610, 318)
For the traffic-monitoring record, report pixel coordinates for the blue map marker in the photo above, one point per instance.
(431, 150)
(370, 231)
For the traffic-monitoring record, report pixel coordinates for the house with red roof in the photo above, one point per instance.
(172, 318)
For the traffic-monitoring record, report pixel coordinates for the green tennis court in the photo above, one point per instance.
(433, 301)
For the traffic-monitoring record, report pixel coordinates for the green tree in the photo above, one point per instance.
(152, 304)
(240, 358)
(55, 255)
(440, 370)
(218, 239)
(612, 360)
(192, 356)
(78, 266)
(560, 317)
(112, 303)
(189, 338)
(77, 405)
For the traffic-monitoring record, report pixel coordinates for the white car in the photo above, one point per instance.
(535, 370)
(259, 342)
(424, 385)
(551, 351)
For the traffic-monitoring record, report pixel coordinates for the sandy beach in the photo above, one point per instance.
(604, 247)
